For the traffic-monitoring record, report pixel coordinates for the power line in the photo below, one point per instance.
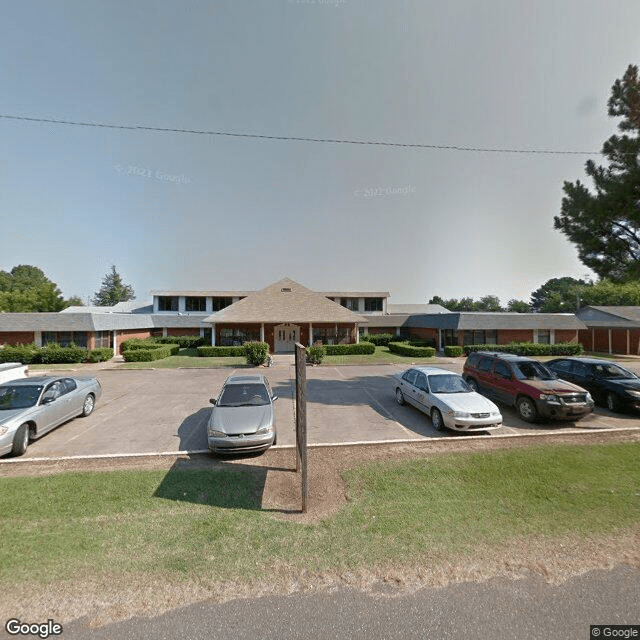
(440, 147)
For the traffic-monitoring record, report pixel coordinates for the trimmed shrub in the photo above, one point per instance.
(530, 348)
(421, 343)
(158, 352)
(380, 339)
(138, 343)
(101, 354)
(24, 353)
(316, 354)
(413, 352)
(55, 354)
(362, 348)
(256, 352)
(453, 351)
(220, 352)
(185, 342)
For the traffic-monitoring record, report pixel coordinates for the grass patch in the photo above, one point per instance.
(207, 525)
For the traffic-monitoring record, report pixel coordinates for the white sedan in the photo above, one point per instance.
(447, 399)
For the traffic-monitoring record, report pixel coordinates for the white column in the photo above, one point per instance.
(628, 343)
(357, 334)
(37, 337)
(609, 340)
(311, 334)
(213, 334)
(262, 332)
(164, 332)
(115, 343)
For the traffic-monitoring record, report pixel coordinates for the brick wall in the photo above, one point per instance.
(505, 336)
(189, 331)
(128, 334)
(17, 337)
(424, 333)
(565, 335)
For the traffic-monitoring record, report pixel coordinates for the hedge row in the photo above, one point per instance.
(380, 339)
(453, 351)
(362, 348)
(414, 352)
(52, 354)
(220, 352)
(316, 354)
(184, 342)
(153, 352)
(530, 348)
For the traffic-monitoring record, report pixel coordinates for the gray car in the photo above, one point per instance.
(30, 407)
(243, 416)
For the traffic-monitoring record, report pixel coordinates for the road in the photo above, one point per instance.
(499, 609)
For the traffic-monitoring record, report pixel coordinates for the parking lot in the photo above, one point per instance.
(166, 410)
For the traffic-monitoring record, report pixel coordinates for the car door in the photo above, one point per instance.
(564, 369)
(584, 377)
(407, 386)
(71, 399)
(502, 382)
(485, 376)
(51, 411)
(421, 390)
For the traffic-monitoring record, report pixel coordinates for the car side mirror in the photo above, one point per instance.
(273, 398)
(212, 400)
(48, 400)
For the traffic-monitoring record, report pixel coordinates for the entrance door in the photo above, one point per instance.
(285, 337)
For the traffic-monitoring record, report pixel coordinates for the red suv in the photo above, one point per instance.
(535, 391)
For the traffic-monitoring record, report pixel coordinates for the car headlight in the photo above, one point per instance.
(495, 414)
(635, 394)
(263, 430)
(460, 414)
(549, 397)
(215, 433)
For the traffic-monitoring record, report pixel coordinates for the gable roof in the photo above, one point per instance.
(462, 320)
(613, 316)
(285, 301)
(412, 309)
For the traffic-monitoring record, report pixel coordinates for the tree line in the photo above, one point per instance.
(27, 289)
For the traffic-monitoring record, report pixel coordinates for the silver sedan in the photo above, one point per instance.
(243, 416)
(447, 399)
(30, 407)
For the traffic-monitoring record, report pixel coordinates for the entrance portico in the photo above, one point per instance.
(285, 313)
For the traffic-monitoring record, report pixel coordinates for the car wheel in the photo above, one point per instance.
(613, 404)
(473, 384)
(20, 440)
(88, 405)
(526, 409)
(399, 397)
(436, 419)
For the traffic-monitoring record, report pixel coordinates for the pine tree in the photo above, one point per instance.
(113, 290)
(605, 224)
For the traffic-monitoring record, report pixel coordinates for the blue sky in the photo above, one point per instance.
(183, 211)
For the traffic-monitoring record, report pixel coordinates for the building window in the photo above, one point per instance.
(449, 337)
(220, 303)
(373, 304)
(156, 332)
(167, 303)
(237, 337)
(350, 303)
(489, 336)
(195, 303)
(544, 336)
(102, 339)
(65, 338)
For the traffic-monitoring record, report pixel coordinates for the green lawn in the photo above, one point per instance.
(381, 356)
(209, 525)
(187, 358)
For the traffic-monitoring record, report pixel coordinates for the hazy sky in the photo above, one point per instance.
(185, 211)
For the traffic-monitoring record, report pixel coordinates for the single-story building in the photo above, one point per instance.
(286, 312)
(610, 329)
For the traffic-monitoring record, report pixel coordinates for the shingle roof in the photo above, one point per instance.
(496, 320)
(416, 308)
(285, 301)
(613, 316)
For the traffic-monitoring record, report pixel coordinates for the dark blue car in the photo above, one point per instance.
(610, 385)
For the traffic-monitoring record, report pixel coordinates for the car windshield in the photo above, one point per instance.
(532, 370)
(239, 395)
(609, 370)
(448, 384)
(18, 397)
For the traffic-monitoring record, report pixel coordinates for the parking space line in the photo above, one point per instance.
(98, 423)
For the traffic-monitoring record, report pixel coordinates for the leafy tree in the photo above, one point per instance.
(113, 290)
(558, 295)
(26, 289)
(518, 306)
(486, 303)
(605, 223)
